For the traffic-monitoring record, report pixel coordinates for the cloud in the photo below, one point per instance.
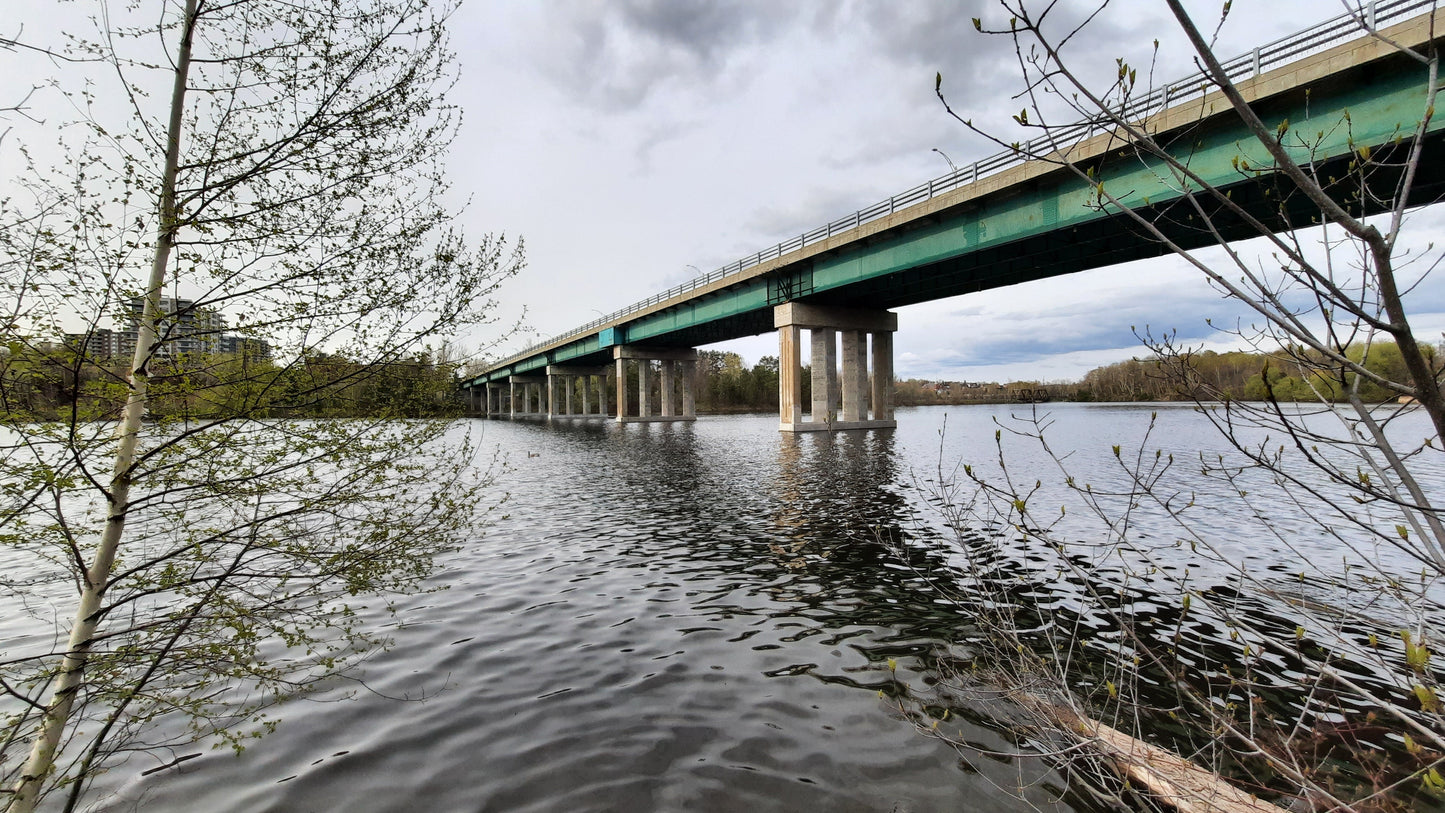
(615, 56)
(937, 35)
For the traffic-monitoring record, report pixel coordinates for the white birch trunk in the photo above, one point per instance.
(72, 671)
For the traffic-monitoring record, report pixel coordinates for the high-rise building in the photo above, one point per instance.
(185, 329)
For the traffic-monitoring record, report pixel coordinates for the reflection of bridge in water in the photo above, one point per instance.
(998, 222)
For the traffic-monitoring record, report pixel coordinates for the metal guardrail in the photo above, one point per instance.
(1313, 39)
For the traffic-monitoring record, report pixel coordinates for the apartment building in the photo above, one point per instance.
(185, 329)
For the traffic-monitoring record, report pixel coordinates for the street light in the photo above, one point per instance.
(946, 158)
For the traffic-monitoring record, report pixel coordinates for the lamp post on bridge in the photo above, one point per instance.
(951, 165)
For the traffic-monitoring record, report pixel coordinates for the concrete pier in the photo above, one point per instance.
(528, 398)
(865, 399)
(677, 366)
(565, 381)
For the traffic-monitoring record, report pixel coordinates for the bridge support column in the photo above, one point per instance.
(621, 364)
(883, 376)
(856, 326)
(855, 375)
(644, 388)
(790, 374)
(567, 379)
(689, 401)
(669, 383)
(825, 372)
(527, 391)
(668, 390)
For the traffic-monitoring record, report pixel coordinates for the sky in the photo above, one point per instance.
(634, 144)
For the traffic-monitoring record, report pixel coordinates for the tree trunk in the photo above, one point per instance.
(87, 616)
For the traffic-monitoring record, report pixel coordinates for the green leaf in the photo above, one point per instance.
(1428, 700)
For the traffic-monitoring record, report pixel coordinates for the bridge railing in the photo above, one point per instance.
(1287, 49)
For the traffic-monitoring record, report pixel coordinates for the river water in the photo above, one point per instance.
(675, 617)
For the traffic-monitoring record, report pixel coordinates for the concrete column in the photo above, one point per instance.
(790, 375)
(512, 399)
(644, 388)
(571, 383)
(621, 389)
(586, 393)
(853, 389)
(855, 376)
(882, 376)
(669, 399)
(825, 374)
(689, 402)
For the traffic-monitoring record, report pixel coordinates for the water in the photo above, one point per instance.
(673, 617)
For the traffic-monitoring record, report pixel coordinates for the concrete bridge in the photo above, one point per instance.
(998, 222)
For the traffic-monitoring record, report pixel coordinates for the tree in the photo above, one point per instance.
(269, 171)
(1332, 292)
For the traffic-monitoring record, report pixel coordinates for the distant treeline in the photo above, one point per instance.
(1284, 376)
(1205, 375)
(723, 384)
(55, 382)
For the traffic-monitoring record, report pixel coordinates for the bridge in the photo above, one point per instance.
(1001, 221)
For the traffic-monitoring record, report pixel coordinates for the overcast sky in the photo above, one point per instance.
(637, 144)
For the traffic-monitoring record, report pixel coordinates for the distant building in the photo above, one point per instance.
(102, 343)
(184, 329)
